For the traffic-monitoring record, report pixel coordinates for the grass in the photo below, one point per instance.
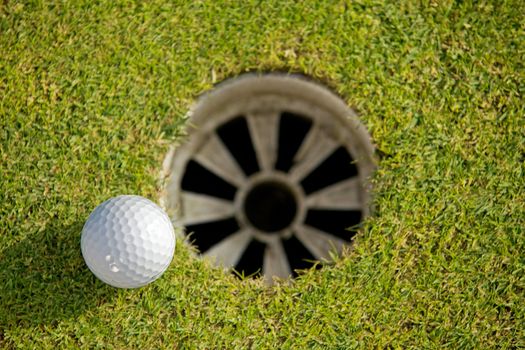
(93, 93)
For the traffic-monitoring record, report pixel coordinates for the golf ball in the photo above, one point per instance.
(128, 241)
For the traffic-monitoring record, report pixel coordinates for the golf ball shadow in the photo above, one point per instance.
(45, 280)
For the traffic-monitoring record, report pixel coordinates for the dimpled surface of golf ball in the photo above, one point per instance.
(128, 241)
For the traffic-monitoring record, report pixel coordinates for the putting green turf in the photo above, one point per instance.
(92, 94)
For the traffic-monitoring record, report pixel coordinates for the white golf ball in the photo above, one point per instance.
(128, 241)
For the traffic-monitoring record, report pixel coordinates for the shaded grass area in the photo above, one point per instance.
(93, 93)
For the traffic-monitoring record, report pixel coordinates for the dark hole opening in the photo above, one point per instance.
(293, 129)
(337, 167)
(340, 223)
(235, 135)
(299, 257)
(252, 260)
(198, 179)
(206, 235)
(270, 206)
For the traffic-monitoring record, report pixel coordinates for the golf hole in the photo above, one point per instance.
(272, 177)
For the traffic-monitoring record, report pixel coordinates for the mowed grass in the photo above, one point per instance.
(93, 93)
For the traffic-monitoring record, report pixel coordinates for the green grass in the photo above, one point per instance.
(93, 93)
